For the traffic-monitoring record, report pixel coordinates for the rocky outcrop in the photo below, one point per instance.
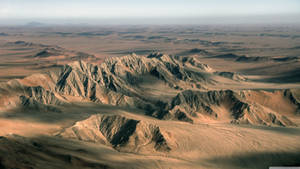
(293, 98)
(117, 82)
(42, 96)
(194, 105)
(24, 43)
(259, 115)
(243, 58)
(228, 56)
(194, 51)
(233, 76)
(30, 104)
(16, 95)
(164, 67)
(47, 52)
(253, 59)
(123, 134)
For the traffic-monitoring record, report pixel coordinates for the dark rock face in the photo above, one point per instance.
(45, 54)
(228, 56)
(252, 59)
(28, 103)
(125, 128)
(196, 50)
(243, 58)
(42, 96)
(121, 133)
(189, 105)
(231, 75)
(181, 116)
(291, 96)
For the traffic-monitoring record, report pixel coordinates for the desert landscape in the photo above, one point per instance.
(149, 96)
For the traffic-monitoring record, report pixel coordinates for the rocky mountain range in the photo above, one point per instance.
(163, 87)
(118, 81)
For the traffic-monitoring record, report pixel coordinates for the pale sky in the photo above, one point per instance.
(143, 9)
(139, 9)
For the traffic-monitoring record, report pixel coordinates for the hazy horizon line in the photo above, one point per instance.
(258, 19)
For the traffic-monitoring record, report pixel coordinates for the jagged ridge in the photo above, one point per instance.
(121, 133)
(189, 105)
(116, 82)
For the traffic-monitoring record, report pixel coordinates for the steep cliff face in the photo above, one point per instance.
(121, 133)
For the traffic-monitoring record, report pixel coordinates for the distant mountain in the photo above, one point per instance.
(195, 51)
(35, 24)
(50, 51)
(3, 34)
(243, 58)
